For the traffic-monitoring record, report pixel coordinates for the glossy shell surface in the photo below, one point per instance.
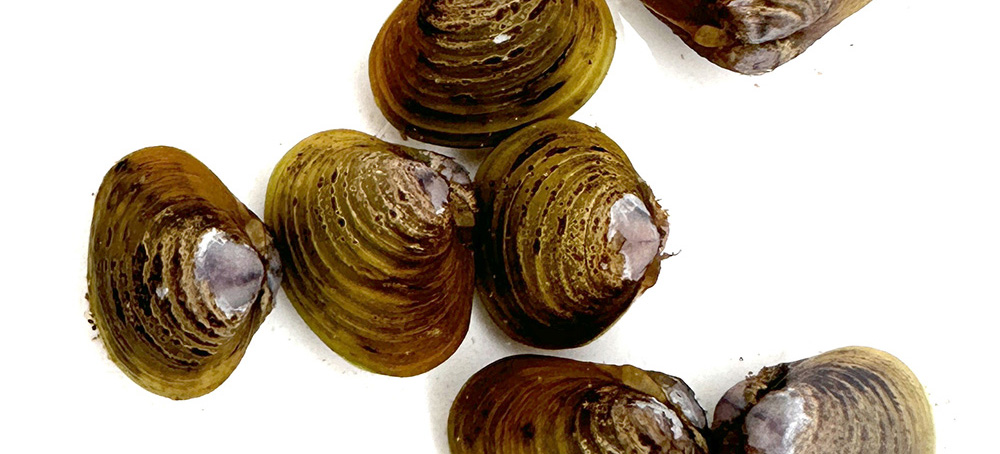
(752, 36)
(467, 73)
(180, 273)
(531, 404)
(568, 234)
(375, 241)
(853, 400)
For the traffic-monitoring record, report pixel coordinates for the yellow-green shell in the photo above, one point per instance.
(538, 404)
(158, 320)
(379, 273)
(549, 273)
(853, 400)
(467, 73)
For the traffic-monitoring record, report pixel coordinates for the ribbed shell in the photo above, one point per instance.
(853, 400)
(157, 319)
(548, 273)
(538, 404)
(381, 275)
(752, 36)
(466, 73)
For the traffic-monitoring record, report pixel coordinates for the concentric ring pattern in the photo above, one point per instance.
(532, 404)
(466, 73)
(374, 237)
(181, 274)
(568, 234)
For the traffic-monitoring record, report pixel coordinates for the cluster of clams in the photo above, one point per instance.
(381, 246)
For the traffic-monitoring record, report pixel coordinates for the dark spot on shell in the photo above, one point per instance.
(528, 431)
(544, 95)
(465, 99)
(121, 166)
(538, 10)
(199, 352)
(649, 443)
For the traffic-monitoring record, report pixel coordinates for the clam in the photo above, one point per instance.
(531, 404)
(752, 36)
(375, 239)
(180, 273)
(853, 400)
(466, 73)
(568, 234)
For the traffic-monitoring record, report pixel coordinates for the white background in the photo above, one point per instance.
(849, 198)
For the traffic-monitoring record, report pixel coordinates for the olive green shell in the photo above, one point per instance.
(466, 73)
(159, 317)
(853, 400)
(383, 276)
(752, 36)
(549, 273)
(538, 404)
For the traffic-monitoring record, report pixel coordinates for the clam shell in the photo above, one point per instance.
(375, 241)
(180, 273)
(531, 404)
(568, 234)
(752, 36)
(467, 73)
(853, 400)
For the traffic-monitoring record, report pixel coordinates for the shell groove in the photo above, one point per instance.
(181, 274)
(853, 400)
(752, 36)
(568, 234)
(467, 73)
(375, 240)
(529, 404)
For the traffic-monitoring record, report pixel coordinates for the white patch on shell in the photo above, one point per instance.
(232, 270)
(776, 421)
(434, 186)
(688, 405)
(162, 292)
(631, 220)
(644, 412)
(501, 38)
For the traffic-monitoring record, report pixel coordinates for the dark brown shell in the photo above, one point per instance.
(467, 73)
(553, 269)
(752, 36)
(181, 274)
(536, 404)
(375, 241)
(853, 400)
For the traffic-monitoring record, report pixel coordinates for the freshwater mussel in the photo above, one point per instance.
(752, 36)
(853, 400)
(180, 273)
(375, 238)
(532, 404)
(568, 234)
(466, 73)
